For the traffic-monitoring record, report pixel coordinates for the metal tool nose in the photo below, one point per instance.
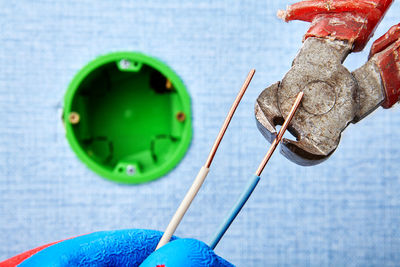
(268, 117)
(299, 153)
(304, 150)
(329, 103)
(267, 112)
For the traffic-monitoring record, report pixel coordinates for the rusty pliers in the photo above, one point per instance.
(333, 96)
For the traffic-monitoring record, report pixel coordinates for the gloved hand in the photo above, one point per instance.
(119, 248)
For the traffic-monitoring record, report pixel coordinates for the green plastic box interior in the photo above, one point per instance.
(128, 117)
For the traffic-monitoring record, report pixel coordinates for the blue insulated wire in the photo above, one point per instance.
(251, 185)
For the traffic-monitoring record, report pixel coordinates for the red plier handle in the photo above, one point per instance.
(355, 21)
(349, 20)
(385, 52)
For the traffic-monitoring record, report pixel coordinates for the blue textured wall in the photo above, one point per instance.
(345, 211)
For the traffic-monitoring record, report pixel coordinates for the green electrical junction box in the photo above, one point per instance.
(128, 117)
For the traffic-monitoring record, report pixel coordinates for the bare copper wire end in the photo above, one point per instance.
(278, 138)
(229, 118)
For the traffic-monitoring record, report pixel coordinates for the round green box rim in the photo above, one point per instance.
(185, 133)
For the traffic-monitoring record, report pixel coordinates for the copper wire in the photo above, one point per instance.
(229, 118)
(278, 138)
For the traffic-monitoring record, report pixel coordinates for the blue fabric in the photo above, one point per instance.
(345, 211)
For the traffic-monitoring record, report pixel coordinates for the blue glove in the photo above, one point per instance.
(184, 252)
(120, 248)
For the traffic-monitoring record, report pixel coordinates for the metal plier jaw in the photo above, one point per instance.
(333, 96)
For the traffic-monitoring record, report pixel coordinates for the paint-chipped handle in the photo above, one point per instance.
(385, 52)
(348, 20)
